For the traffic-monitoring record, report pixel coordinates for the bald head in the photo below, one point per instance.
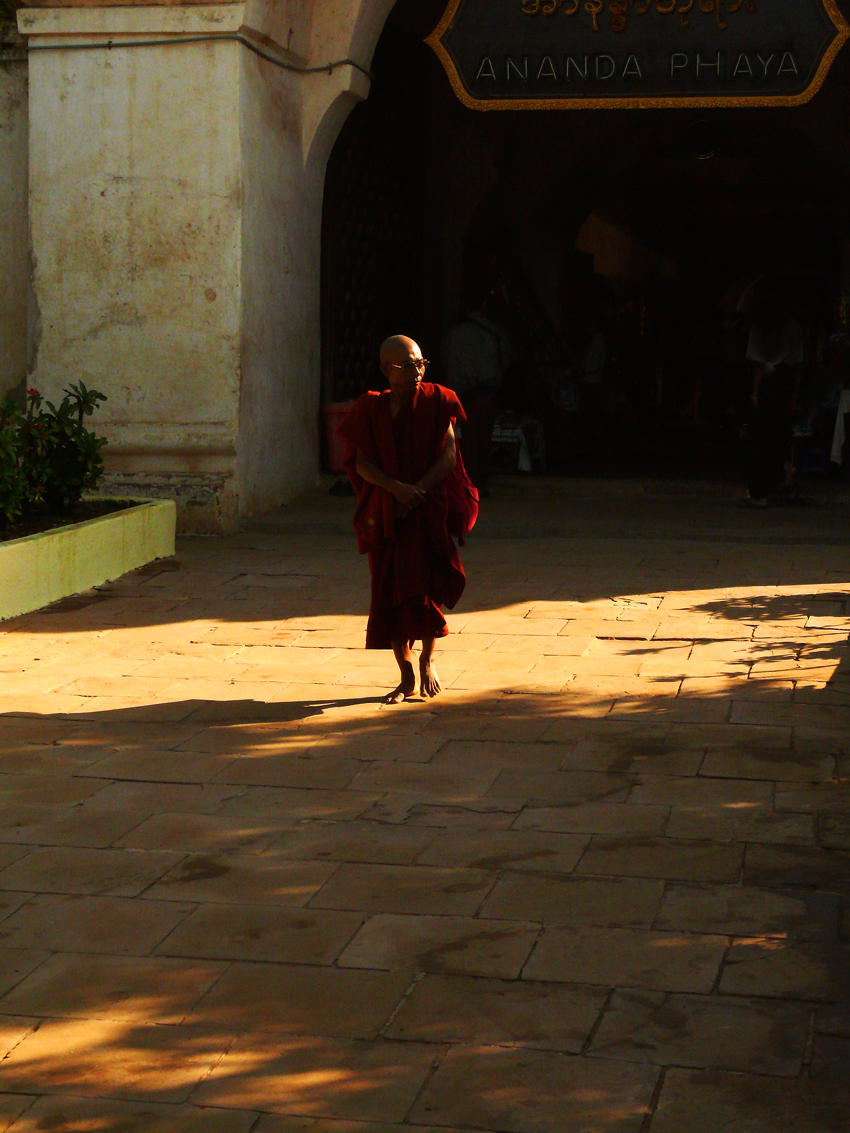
(398, 348)
(402, 365)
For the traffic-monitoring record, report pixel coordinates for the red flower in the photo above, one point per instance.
(32, 392)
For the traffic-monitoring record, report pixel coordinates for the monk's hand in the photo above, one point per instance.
(408, 496)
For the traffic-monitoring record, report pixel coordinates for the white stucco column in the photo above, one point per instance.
(136, 211)
(289, 120)
(177, 159)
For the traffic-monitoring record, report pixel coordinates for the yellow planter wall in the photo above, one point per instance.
(40, 569)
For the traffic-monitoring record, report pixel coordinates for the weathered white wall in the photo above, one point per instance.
(278, 405)
(346, 28)
(288, 124)
(135, 204)
(175, 203)
(14, 237)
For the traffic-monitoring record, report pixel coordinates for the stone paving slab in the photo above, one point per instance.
(147, 797)
(785, 970)
(595, 818)
(404, 889)
(317, 1077)
(672, 859)
(498, 850)
(157, 767)
(12, 1106)
(9, 854)
(111, 925)
(559, 786)
(725, 824)
(240, 877)
(473, 945)
(622, 957)
(86, 826)
(742, 910)
(575, 900)
(16, 964)
(260, 932)
(803, 866)
(271, 1124)
(76, 1115)
(723, 1032)
(600, 884)
(116, 873)
(520, 1090)
(200, 834)
(301, 1000)
(111, 1058)
(460, 1009)
(356, 841)
(133, 988)
(722, 1101)
(418, 810)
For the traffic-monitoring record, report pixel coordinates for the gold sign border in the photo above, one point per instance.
(636, 102)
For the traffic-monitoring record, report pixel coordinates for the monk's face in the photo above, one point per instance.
(402, 366)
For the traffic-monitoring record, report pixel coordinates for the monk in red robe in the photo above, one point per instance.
(400, 450)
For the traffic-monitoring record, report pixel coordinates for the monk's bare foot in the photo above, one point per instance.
(406, 688)
(429, 681)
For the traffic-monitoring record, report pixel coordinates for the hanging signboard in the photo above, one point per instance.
(535, 54)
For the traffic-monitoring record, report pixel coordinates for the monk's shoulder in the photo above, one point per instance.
(369, 403)
(445, 399)
(358, 425)
(370, 398)
(439, 393)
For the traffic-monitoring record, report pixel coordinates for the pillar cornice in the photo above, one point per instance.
(114, 4)
(148, 19)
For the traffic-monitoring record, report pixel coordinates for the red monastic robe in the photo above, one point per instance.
(413, 562)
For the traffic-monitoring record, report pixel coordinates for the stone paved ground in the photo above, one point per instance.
(600, 886)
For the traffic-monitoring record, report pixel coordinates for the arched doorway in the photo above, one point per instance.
(651, 224)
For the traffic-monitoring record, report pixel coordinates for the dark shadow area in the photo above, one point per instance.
(622, 249)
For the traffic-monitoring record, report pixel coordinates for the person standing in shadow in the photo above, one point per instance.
(776, 354)
(476, 355)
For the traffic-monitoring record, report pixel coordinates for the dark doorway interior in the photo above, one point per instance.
(630, 236)
(373, 220)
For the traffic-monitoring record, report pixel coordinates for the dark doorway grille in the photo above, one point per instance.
(373, 222)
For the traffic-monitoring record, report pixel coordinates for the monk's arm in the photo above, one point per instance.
(408, 495)
(443, 465)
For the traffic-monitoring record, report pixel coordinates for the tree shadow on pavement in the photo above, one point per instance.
(234, 884)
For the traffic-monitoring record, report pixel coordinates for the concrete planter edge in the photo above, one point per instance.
(42, 568)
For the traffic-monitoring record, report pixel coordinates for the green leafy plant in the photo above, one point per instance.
(13, 479)
(48, 456)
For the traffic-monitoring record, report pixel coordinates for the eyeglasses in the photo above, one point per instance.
(417, 364)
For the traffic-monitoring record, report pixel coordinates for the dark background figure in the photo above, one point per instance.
(775, 352)
(477, 354)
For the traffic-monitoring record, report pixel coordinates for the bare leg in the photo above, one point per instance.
(407, 684)
(429, 681)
